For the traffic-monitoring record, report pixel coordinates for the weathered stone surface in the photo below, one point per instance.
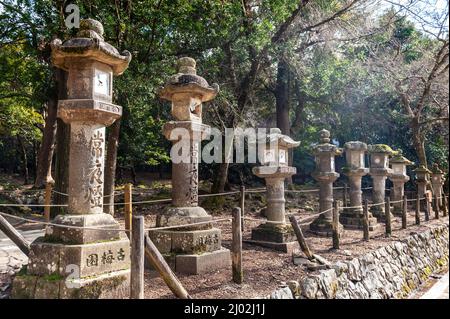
(325, 175)
(113, 285)
(282, 293)
(309, 287)
(203, 263)
(277, 233)
(98, 227)
(190, 249)
(187, 242)
(392, 271)
(86, 246)
(91, 259)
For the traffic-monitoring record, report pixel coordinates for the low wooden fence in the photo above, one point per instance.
(142, 247)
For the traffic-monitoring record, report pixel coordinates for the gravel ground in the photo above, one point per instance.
(264, 269)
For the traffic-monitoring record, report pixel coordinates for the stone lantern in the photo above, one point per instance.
(194, 249)
(437, 182)
(379, 171)
(398, 177)
(325, 175)
(422, 180)
(275, 233)
(79, 262)
(355, 169)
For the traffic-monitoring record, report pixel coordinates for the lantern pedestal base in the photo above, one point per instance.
(323, 227)
(354, 220)
(113, 285)
(278, 236)
(82, 271)
(195, 264)
(192, 251)
(173, 216)
(380, 214)
(287, 248)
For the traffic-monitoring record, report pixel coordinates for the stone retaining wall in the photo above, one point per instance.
(392, 271)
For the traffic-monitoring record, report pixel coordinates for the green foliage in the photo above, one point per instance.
(331, 84)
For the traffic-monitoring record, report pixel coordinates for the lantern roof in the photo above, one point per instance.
(422, 169)
(381, 148)
(436, 170)
(325, 145)
(275, 136)
(355, 146)
(398, 158)
(186, 80)
(90, 44)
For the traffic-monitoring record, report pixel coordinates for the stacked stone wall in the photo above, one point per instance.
(392, 271)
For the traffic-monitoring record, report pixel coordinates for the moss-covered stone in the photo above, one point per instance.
(381, 148)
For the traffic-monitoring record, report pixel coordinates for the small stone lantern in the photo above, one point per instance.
(194, 249)
(437, 182)
(422, 180)
(85, 261)
(379, 171)
(325, 175)
(398, 177)
(275, 233)
(355, 169)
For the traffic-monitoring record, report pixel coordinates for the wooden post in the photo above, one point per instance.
(158, 262)
(137, 258)
(236, 246)
(427, 207)
(14, 235)
(387, 209)
(366, 221)
(436, 206)
(336, 238)
(242, 204)
(417, 210)
(300, 238)
(128, 209)
(444, 203)
(345, 195)
(47, 201)
(404, 212)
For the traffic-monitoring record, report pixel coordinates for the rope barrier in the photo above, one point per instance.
(219, 194)
(190, 225)
(33, 205)
(64, 194)
(59, 225)
(166, 200)
(255, 190)
(112, 229)
(21, 190)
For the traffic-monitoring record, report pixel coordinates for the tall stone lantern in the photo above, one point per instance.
(398, 177)
(194, 249)
(355, 169)
(437, 182)
(275, 233)
(379, 171)
(80, 262)
(422, 180)
(325, 175)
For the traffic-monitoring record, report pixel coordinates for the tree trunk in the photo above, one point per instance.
(418, 142)
(62, 153)
(221, 178)
(24, 159)
(44, 166)
(282, 105)
(61, 167)
(110, 167)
